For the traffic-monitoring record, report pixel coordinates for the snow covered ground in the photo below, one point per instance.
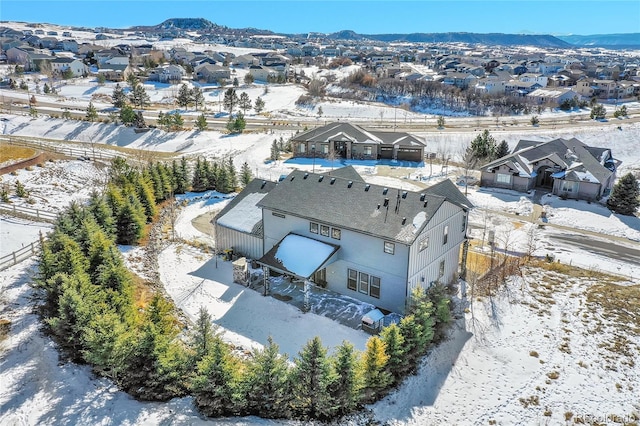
(477, 376)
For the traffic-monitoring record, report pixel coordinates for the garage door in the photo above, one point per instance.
(410, 154)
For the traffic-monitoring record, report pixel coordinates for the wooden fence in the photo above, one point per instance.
(89, 152)
(28, 213)
(19, 255)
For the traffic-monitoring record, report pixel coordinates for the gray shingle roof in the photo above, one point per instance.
(351, 132)
(395, 215)
(256, 186)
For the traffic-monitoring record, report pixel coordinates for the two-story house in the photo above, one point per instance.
(370, 242)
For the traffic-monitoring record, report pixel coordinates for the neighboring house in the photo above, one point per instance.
(462, 80)
(551, 95)
(244, 61)
(167, 73)
(68, 46)
(490, 86)
(211, 73)
(520, 88)
(260, 73)
(365, 241)
(564, 167)
(77, 67)
(350, 141)
(536, 78)
(27, 57)
(115, 72)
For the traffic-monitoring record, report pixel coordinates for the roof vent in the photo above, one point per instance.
(404, 194)
(306, 175)
(350, 184)
(404, 220)
(292, 178)
(320, 178)
(384, 191)
(366, 187)
(378, 206)
(425, 205)
(422, 197)
(264, 182)
(333, 180)
(386, 202)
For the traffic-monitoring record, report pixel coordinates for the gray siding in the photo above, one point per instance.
(358, 251)
(245, 244)
(424, 265)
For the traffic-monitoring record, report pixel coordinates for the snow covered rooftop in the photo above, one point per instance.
(298, 255)
(245, 215)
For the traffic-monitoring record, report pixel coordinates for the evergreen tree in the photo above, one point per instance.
(258, 106)
(201, 123)
(154, 368)
(266, 383)
(375, 375)
(21, 191)
(395, 350)
(138, 96)
(46, 89)
(177, 122)
(139, 121)
(199, 182)
(244, 103)
(423, 311)
(502, 149)
(102, 213)
(118, 98)
(622, 112)
(184, 96)
(127, 115)
(131, 221)
(346, 388)
(245, 174)
(598, 112)
(625, 196)
(483, 147)
(164, 121)
(147, 197)
(197, 97)
(275, 151)
(216, 383)
(202, 337)
(414, 340)
(74, 314)
(248, 78)
(232, 176)
(230, 100)
(311, 378)
(441, 122)
(236, 83)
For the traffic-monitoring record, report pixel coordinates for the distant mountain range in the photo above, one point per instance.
(604, 40)
(541, 40)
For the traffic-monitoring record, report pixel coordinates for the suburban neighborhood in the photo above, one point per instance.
(204, 224)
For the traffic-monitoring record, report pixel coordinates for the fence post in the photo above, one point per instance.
(14, 258)
(38, 213)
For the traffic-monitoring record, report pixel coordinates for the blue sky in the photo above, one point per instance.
(366, 17)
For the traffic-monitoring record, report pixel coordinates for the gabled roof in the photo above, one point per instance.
(242, 213)
(339, 131)
(394, 214)
(571, 155)
(348, 173)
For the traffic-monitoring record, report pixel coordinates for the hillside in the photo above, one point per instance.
(604, 40)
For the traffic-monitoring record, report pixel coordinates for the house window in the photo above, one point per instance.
(335, 233)
(424, 243)
(324, 230)
(302, 148)
(363, 287)
(441, 271)
(313, 228)
(464, 222)
(367, 150)
(389, 248)
(352, 279)
(325, 149)
(569, 186)
(280, 215)
(374, 288)
(503, 178)
(445, 236)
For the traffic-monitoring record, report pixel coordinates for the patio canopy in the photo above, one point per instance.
(299, 256)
